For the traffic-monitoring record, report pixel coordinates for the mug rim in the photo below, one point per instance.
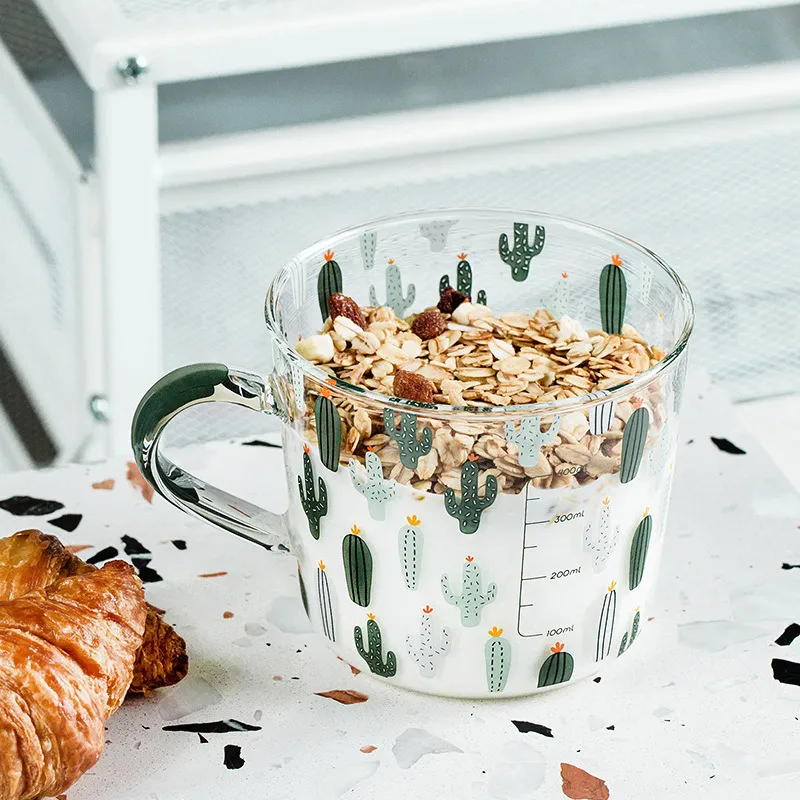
(445, 410)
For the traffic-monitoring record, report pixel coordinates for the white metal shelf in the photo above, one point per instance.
(187, 40)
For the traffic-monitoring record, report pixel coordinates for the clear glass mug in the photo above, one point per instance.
(462, 551)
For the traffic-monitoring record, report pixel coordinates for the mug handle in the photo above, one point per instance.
(175, 392)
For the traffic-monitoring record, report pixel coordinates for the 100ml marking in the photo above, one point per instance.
(567, 517)
(564, 573)
(559, 631)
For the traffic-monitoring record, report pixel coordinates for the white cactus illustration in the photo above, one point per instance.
(605, 543)
(298, 387)
(422, 649)
(661, 451)
(529, 439)
(377, 490)
(561, 301)
(369, 240)
(436, 233)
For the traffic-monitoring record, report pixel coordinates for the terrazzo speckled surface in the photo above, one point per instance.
(696, 709)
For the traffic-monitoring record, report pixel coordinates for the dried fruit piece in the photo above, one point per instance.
(410, 386)
(318, 348)
(429, 324)
(340, 305)
(450, 300)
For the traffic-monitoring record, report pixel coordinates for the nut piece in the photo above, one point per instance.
(345, 327)
(318, 348)
(429, 324)
(340, 305)
(451, 300)
(411, 386)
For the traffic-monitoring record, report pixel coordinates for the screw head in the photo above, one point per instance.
(98, 407)
(133, 68)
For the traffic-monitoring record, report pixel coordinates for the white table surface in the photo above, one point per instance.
(693, 711)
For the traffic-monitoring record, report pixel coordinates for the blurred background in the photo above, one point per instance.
(161, 159)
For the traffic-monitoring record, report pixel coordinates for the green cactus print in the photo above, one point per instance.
(639, 548)
(410, 545)
(519, 258)
(472, 598)
(497, 654)
(468, 511)
(303, 592)
(557, 667)
(377, 490)
(374, 656)
(464, 275)
(613, 295)
(627, 642)
(329, 282)
(329, 430)
(444, 283)
(605, 629)
(394, 291)
(634, 438)
(481, 297)
(357, 560)
(315, 507)
(411, 449)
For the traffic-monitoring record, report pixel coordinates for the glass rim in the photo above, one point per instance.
(484, 412)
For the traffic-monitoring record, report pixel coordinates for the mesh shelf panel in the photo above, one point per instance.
(29, 38)
(724, 215)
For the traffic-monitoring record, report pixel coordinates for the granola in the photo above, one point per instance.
(471, 358)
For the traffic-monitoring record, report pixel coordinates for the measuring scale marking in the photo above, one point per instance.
(542, 591)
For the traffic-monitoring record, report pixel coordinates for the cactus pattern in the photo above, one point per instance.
(481, 297)
(410, 545)
(519, 259)
(373, 656)
(303, 592)
(357, 567)
(661, 450)
(645, 283)
(436, 233)
(394, 291)
(423, 651)
(411, 449)
(298, 387)
(377, 490)
(605, 628)
(325, 606)
(444, 282)
(601, 416)
(464, 275)
(634, 438)
(557, 667)
(468, 511)
(639, 548)
(369, 240)
(329, 430)
(561, 303)
(605, 543)
(530, 438)
(613, 294)
(315, 507)
(472, 598)
(497, 653)
(329, 282)
(626, 642)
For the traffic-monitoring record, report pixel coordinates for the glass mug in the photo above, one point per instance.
(459, 550)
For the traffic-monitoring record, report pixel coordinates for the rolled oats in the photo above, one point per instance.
(482, 360)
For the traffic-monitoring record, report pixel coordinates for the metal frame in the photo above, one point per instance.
(433, 143)
(45, 178)
(187, 46)
(126, 124)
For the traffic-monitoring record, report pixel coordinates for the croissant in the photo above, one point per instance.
(31, 560)
(66, 660)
